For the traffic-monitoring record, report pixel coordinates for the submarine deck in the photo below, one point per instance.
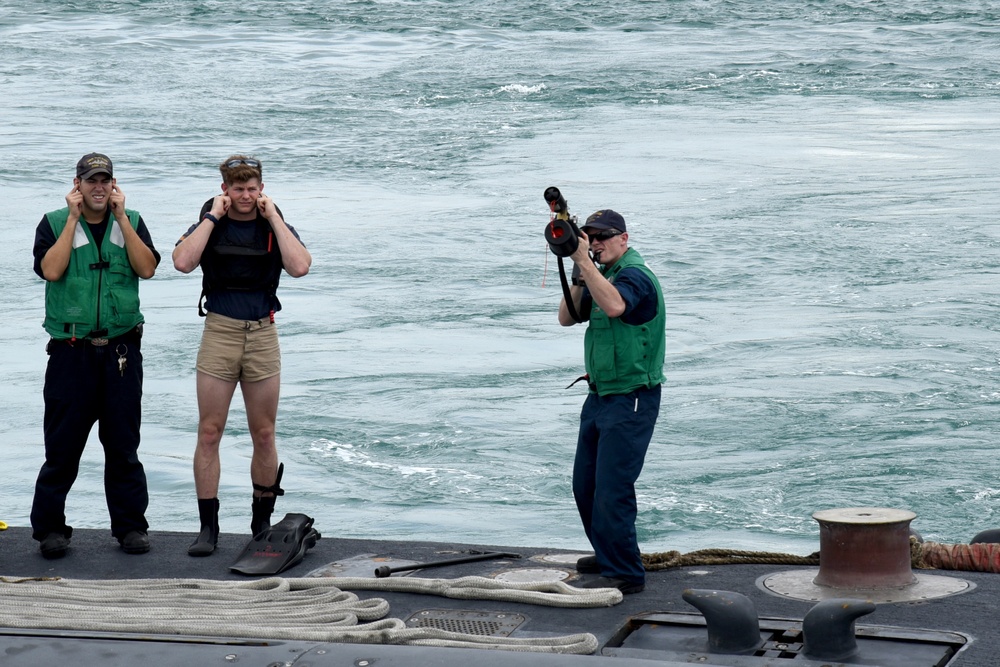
(95, 555)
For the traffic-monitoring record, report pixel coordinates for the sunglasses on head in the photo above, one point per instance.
(604, 235)
(247, 161)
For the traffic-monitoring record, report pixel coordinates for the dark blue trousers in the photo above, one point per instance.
(83, 385)
(614, 435)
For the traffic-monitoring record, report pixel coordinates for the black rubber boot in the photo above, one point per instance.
(204, 545)
(263, 506)
(262, 510)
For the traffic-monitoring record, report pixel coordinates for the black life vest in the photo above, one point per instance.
(242, 257)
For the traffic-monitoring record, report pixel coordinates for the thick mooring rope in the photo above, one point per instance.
(668, 559)
(546, 593)
(273, 608)
(980, 557)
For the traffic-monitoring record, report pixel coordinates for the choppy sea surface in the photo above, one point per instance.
(814, 182)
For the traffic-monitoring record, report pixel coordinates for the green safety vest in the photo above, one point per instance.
(99, 293)
(621, 357)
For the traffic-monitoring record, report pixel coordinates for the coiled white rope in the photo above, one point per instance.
(276, 608)
(546, 593)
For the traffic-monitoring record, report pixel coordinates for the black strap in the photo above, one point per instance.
(570, 307)
(274, 488)
(100, 265)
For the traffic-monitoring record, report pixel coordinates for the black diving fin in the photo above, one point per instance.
(277, 548)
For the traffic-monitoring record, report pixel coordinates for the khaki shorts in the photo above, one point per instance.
(237, 350)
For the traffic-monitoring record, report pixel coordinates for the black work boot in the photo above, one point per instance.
(204, 544)
(135, 542)
(54, 545)
(263, 507)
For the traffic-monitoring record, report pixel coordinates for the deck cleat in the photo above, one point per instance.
(731, 620)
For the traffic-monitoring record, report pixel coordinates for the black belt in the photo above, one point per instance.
(101, 341)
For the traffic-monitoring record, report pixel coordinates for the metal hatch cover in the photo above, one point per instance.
(800, 585)
(360, 565)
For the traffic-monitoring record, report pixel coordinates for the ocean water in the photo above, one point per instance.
(815, 183)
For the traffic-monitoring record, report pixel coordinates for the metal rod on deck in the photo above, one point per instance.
(385, 570)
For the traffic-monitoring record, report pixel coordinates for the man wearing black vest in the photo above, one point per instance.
(242, 243)
(92, 254)
(624, 350)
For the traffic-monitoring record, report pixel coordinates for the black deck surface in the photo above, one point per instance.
(95, 555)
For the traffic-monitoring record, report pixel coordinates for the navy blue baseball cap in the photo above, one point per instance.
(605, 219)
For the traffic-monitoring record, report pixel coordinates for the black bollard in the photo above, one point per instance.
(731, 620)
(828, 628)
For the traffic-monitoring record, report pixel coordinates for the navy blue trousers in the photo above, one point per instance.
(614, 435)
(83, 385)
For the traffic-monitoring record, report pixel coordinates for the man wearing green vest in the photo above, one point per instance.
(624, 347)
(92, 254)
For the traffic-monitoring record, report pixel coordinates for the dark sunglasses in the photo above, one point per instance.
(247, 161)
(605, 235)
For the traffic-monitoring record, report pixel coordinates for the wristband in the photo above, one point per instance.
(211, 217)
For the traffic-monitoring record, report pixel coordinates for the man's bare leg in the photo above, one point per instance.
(214, 399)
(261, 400)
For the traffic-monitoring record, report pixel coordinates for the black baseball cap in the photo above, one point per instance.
(93, 163)
(605, 219)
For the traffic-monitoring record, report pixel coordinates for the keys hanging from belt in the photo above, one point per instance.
(121, 351)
